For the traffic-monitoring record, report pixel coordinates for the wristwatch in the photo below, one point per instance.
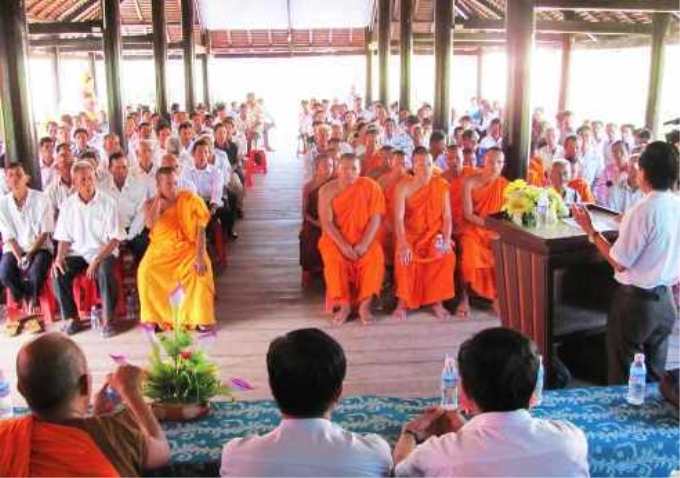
(592, 237)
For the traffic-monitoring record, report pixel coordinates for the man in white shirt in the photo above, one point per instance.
(493, 137)
(131, 195)
(498, 369)
(626, 192)
(646, 263)
(89, 232)
(306, 370)
(145, 169)
(438, 149)
(110, 145)
(26, 222)
(61, 186)
(592, 163)
(47, 166)
(551, 149)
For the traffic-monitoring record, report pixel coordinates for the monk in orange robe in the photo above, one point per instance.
(60, 437)
(482, 195)
(388, 182)
(379, 163)
(176, 257)
(425, 258)
(350, 209)
(368, 151)
(455, 174)
(536, 176)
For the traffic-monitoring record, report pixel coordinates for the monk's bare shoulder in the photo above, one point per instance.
(329, 190)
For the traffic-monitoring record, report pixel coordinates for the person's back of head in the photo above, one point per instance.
(306, 370)
(52, 373)
(659, 162)
(498, 369)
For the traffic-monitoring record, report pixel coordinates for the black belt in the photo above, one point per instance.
(655, 293)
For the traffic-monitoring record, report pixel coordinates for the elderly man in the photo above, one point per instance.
(626, 192)
(560, 175)
(89, 232)
(110, 145)
(498, 369)
(145, 169)
(61, 436)
(425, 260)
(61, 186)
(26, 222)
(350, 210)
(306, 371)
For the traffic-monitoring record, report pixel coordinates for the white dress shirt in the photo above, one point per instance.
(489, 141)
(27, 223)
(57, 192)
(307, 447)
(622, 196)
(47, 173)
(4, 187)
(502, 444)
(207, 182)
(547, 154)
(592, 167)
(130, 201)
(88, 227)
(142, 176)
(648, 245)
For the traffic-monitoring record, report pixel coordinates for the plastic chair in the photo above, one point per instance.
(48, 304)
(86, 293)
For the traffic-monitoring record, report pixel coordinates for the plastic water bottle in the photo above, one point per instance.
(637, 380)
(94, 319)
(449, 384)
(542, 207)
(538, 391)
(6, 410)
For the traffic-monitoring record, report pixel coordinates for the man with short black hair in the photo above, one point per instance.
(47, 168)
(498, 372)
(646, 263)
(306, 370)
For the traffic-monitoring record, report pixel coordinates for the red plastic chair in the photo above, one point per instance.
(216, 238)
(257, 162)
(86, 294)
(48, 304)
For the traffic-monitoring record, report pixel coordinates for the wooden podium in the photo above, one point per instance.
(535, 270)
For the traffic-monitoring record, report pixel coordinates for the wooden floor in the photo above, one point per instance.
(260, 298)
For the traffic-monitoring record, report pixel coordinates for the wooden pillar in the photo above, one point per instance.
(563, 100)
(113, 48)
(480, 67)
(443, 48)
(56, 73)
(405, 52)
(368, 96)
(206, 72)
(160, 56)
(519, 29)
(189, 52)
(660, 29)
(15, 100)
(92, 60)
(384, 26)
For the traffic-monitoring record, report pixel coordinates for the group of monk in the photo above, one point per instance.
(412, 226)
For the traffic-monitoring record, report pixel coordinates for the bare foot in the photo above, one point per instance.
(441, 312)
(400, 313)
(342, 314)
(365, 314)
(463, 309)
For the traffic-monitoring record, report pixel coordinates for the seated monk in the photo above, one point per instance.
(537, 175)
(422, 224)
(379, 164)
(310, 258)
(350, 209)
(388, 182)
(60, 436)
(176, 256)
(455, 174)
(482, 195)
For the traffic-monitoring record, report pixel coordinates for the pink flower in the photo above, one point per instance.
(241, 385)
(149, 331)
(176, 297)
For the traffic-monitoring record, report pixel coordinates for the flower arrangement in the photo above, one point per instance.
(179, 371)
(522, 201)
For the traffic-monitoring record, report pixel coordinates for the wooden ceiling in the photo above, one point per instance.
(480, 16)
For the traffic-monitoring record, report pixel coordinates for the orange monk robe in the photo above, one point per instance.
(170, 261)
(350, 282)
(456, 196)
(429, 277)
(386, 231)
(374, 161)
(477, 263)
(536, 173)
(583, 190)
(30, 447)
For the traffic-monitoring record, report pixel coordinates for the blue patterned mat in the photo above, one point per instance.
(623, 440)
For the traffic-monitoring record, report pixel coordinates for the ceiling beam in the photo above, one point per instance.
(605, 5)
(549, 26)
(58, 28)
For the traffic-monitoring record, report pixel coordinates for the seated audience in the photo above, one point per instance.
(26, 222)
(560, 175)
(145, 169)
(176, 256)
(47, 161)
(350, 209)
(306, 372)
(88, 232)
(498, 369)
(61, 186)
(551, 150)
(626, 192)
(61, 436)
(425, 260)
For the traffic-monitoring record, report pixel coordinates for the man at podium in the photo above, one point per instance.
(646, 261)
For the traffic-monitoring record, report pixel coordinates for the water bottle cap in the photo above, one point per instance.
(639, 358)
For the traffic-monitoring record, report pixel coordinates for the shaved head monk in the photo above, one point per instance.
(60, 437)
(350, 210)
(482, 195)
(422, 224)
(388, 182)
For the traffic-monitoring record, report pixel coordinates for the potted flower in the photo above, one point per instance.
(180, 380)
(530, 206)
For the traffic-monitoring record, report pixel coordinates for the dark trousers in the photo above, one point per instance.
(639, 321)
(139, 244)
(226, 214)
(25, 285)
(106, 283)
